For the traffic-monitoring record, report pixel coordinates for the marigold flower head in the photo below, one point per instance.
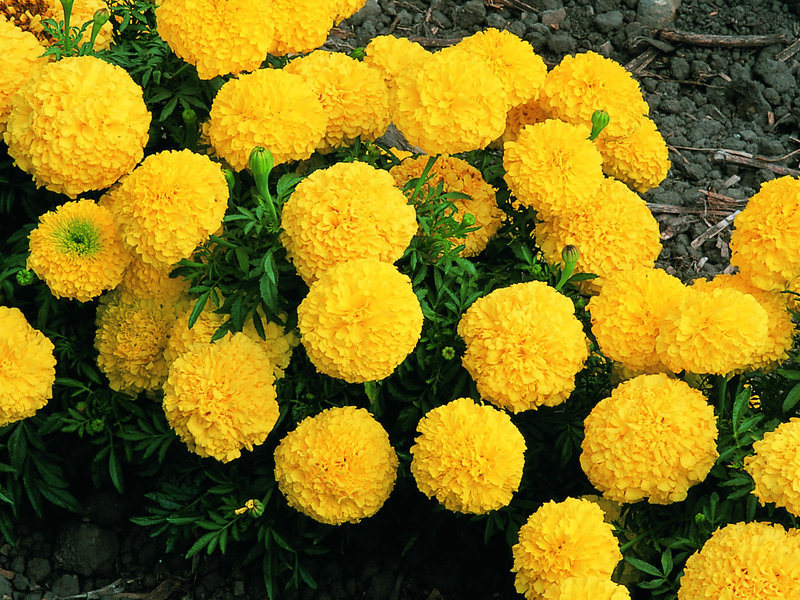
(590, 587)
(517, 362)
(77, 251)
(131, 337)
(78, 124)
(353, 95)
(450, 103)
(584, 83)
(614, 232)
(336, 467)
(457, 175)
(269, 108)
(219, 38)
(21, 58)
(360, 320)
(775, 467)
(765, 243)
(347, 211)
(469, 456)
(653, 438)
(27, 367)
(301, 27)
(141, 280)
(169, 205)
(712, 331)
(220, 398)
(640, 160)
(553, 167)
(562, 540)
(392, 56)
(344, 9)
(627, 314)
(529, 113)
(744, 561)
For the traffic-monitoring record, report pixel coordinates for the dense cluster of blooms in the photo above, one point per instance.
(220, 398)
(563, 540)
(347, 211)
(76, 250)
(457, 175)
(62, 129)
(336, 467)
(469, 456)
(27, 367)
(360, 320)
(653, 438)
(516, 363)
(301, 27)
(640, 159)
(590, 587)
(775, 467)
(393, 56)
(141, 280)
(744, 561)
(21, 58)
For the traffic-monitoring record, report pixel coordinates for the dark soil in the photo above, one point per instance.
(704, 100)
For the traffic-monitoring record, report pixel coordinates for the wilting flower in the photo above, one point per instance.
(469, 456)
(21, 58)
(653, 438)
(639, 160)
(27, 367)
(336, 467)
(590, 587)
(360, 320)
(301, 27)
(77, 252)
(518, 361)
(78, 124)
(775, 467)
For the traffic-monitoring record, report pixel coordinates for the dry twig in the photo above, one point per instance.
(788, 52)
(721, 41)
(734, 157)
(713, 230)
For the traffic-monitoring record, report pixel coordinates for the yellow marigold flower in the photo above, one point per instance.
(347, 211)
(336, 467)
(712, 331)
(141, 280)
(344, 9)
(169, 205)
(775, 467)
(765, 243)
(517, 362)
(587, 82)
(529, 113)
(393, 56)
(614, 232)
(353, 95)
(77, 251)
(131, 337)
(301, 27)
(457, 175)
(269, 108)
(653, 438)
(744, 561)
(21, 58)
(639, 160)
(450, 103)
(217, 37)
(360, 320)
(220, 397)
(780, 327)
(562, 540)
(78, 124)
(27, 367)
(469, 456)
(627, 313)
(590, 587)
(553, 167)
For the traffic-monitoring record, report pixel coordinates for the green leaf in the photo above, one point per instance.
(61, 497)
(115, 471)
(739, 404)
(788, 374)
(204, 541)
(792, 398)
(666, 562)
(643, 566)
(198, 307)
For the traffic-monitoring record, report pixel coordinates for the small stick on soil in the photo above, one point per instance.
(436, 42)
(641, 61)
(788, 52)
(742, 158)
(713, 230)
(721, 41)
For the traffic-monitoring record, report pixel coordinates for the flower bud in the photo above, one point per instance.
(189, 118)
(468, 220)
(253, 507)
(96, 425)
(448, 353)
(25, 277)
(570, 255)
(261, 163)
(600, 119)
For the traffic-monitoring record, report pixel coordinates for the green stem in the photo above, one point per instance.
(719, 388)
(67, 6)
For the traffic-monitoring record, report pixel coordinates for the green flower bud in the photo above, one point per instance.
(25, 277)
(100, 18)
(189, 118)
(700, 518)
(570, 255)
(468, 220)
(96, 425)
(600, 119)
(261, 164)
(80, 406)
(448, 353)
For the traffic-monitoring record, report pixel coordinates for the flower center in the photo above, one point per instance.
(78, 238)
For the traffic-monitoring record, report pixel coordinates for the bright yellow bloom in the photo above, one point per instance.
(20, 59)
(765, 243)
(776, 466)
(744, 561)
(347, 211)
(360, 320)
(78, 124)
(469, 456)
(587, 82)
(591, 587)
(345, 9)
(220, 398)
(269, 108)
(562, 540)
(27, 367)
(76, 250)
(301, 27)
(336, 467)
(393, 56)
(529, 113)
(141, 280)
(524, 346)
(639, 160)
(653, 438)
(457, 175)
(712, 331)
(553, 167)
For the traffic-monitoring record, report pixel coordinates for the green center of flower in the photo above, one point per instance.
(79, 238)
